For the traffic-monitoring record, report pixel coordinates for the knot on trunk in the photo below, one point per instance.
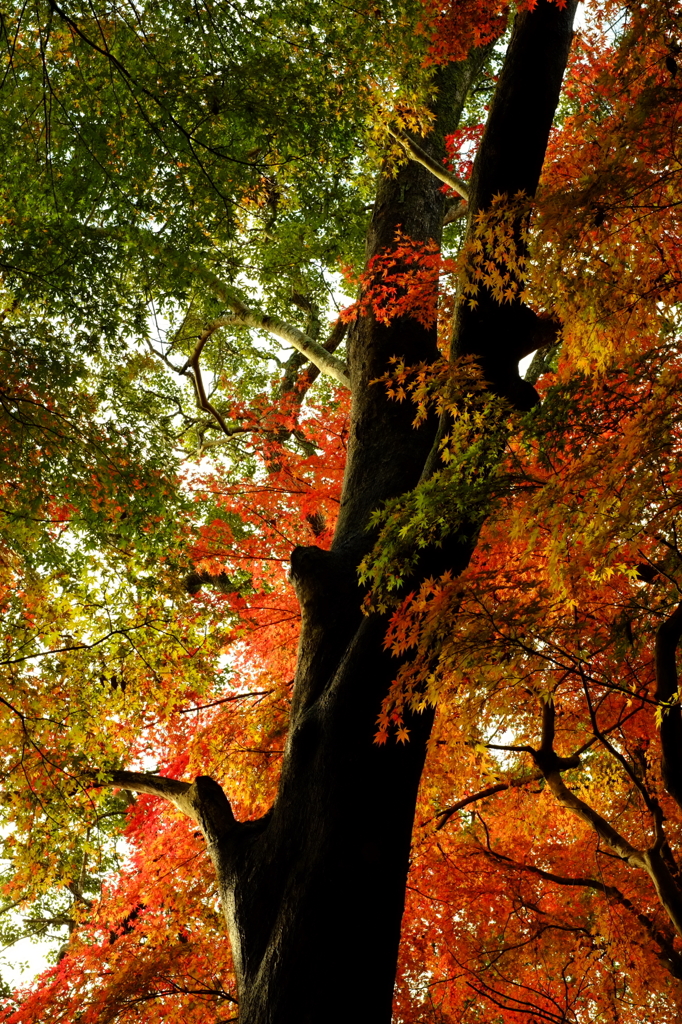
(545, 757)
(500, 335)
(323, 581)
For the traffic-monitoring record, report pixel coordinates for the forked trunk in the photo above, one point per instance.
(314, 891)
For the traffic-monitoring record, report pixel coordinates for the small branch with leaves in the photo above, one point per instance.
(652, 860)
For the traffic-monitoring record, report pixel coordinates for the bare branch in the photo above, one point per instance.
(297, 381)
(416, 153)
(198, 381)
(173, 790)
(244, 316)
(202, 800)
(499, 787)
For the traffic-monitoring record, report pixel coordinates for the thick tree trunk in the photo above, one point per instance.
(314, 892)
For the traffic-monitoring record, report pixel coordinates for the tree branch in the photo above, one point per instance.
(198, 381)
(499, 787)
(668, 952)
(652, 860)
(202, 800)
(297, 381)
(569, 762)
(508, 163)
(173, 790)
(545, 757)
(650, 802)
(551, 766)
(416, 153)
(244, 316)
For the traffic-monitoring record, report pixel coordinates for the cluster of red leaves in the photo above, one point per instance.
(413, 280)
(292, 498)
(150, 948)
(455, 28)
(461, 147)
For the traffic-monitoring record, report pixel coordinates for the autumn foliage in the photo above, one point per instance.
(150, 621)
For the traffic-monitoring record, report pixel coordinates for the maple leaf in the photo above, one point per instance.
(518, 560)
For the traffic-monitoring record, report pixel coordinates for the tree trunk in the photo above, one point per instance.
(314, 891)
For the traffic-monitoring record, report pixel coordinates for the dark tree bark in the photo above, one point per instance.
(509, 163)
(667, 640)
(314, 891)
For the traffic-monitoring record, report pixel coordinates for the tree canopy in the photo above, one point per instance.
(210, 212)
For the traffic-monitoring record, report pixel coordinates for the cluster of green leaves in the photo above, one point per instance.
(450, 504)
(159, 137)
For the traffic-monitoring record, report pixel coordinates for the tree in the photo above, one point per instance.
(504, 550)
